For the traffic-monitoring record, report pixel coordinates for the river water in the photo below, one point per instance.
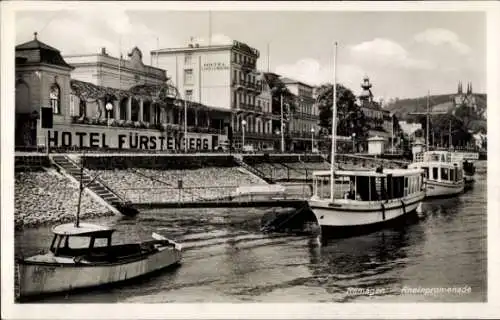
(228, 259)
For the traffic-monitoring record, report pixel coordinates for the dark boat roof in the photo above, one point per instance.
(84, 229)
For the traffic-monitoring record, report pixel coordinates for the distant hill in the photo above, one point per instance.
(438, 103)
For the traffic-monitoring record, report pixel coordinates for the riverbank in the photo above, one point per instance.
(45, 197)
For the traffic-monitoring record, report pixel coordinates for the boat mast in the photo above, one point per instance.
(427, 125)
(334, 113)
(77, 223)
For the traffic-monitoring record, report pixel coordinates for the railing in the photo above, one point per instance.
(248, 65)
(97, 180)
(144, 125)
(170, 194)
(210, 194)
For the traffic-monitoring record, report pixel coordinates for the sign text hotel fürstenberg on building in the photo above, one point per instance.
(114, 138)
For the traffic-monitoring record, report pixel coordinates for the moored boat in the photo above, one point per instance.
(370, 200)
(373, 199)
(443, 176)
(82, 256)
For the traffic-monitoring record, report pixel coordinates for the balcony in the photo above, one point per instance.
(254, 87)
(248, 66)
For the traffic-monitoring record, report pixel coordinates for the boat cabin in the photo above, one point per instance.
(368, 185)
(71, 241)
(440, 166)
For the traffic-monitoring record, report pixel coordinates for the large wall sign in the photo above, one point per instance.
(81, 136)
(215, 66)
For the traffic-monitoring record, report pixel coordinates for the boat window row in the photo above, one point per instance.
(438, 157)
(363, 188)
(445, 174)
(64, 245)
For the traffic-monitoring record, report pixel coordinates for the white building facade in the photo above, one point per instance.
(223, 77)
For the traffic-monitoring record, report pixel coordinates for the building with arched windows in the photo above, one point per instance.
(99, 101)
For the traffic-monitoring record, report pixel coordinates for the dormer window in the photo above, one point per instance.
(55, 98)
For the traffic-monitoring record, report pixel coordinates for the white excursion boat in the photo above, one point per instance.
(81, 255)
(369, 200)
(444, 177)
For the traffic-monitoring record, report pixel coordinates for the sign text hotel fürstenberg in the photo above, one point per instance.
(123, 139)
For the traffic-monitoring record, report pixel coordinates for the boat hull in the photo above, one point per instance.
(443, 189)
(363, 215)
(44, 278)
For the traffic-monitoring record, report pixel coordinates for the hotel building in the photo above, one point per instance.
(224, 77)
(99, 101)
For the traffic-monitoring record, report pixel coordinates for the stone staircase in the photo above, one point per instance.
(238, 159)
(97, 188)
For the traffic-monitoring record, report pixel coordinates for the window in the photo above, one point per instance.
(426, 172)
(188, 58)
(55, 98)
(435, 173)
(444, 173)
(82, 108)
(135, 108)
(188, 76)
(234, 57)
(452, 175)
(189, 95)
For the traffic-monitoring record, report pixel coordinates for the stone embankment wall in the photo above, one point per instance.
(45, 196)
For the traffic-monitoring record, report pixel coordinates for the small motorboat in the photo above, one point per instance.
(82, 256)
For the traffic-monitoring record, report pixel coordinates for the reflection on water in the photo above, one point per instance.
(228, 259)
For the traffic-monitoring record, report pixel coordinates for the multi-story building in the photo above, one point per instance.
(105, 70)
(304, 121)
(223, 77)
(100, 109)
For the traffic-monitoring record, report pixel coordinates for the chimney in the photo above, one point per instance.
(197, 45)
(103, 51)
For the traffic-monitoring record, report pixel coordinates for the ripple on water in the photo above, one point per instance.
(228, 259)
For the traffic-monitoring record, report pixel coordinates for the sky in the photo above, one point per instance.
(405, 54)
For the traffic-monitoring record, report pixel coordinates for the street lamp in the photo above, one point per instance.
(353, 143)
(243, 124)
(185, 126)
(109, 107)
(312, 140)
(392, 133)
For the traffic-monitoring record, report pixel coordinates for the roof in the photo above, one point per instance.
(372, 173)
(35, 44)
(89, 90)
(85, 229)
(292, 81)
(35, 51)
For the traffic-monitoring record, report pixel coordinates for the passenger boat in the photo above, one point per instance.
(81, 255)
(443, 176)
(371, 199)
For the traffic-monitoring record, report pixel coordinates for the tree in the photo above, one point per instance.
(278, 90)
(350, 118)
(466, 114)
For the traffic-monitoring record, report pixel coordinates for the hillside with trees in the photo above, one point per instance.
(472, 120)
